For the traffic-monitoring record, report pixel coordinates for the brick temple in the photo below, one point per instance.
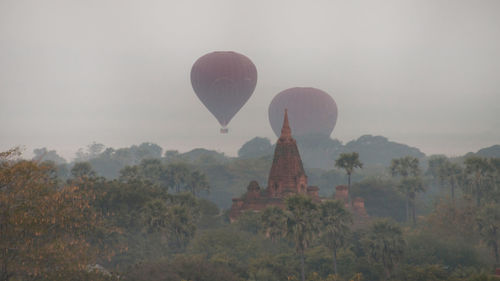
(287, 177)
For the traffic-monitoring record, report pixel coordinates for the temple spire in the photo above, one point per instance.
(286, 132)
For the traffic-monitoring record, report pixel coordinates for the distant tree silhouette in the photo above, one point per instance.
(348, 162)
(274, 222)
(488, 222)
(335, 221)
(411, 181)
(384, 244)
(451, 174)
(302, 225)
(477, 169)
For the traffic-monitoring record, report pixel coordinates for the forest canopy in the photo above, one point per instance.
(155, 221)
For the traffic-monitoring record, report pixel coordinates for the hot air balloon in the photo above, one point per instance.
(223, 81)
(310, 111)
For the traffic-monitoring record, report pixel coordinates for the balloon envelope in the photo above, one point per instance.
(310, 111)
(223, 81)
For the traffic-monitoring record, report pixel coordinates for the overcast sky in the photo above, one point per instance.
(424, 72)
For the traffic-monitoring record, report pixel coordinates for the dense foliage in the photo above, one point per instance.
(152, 221)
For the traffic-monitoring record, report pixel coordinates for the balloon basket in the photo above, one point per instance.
(224, 130)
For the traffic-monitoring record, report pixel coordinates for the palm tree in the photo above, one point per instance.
(182, 225)
(348, 162)
(302, 224)
(488, 222)
(197, 182)
(411, 183)
(385, 244)
(274, 222)
(405, 167)
(434, 163)
(83, 171)
(495, 178)
(411, 186)
(477, 168)
(335, 220)
(450, 173)
(177, 176)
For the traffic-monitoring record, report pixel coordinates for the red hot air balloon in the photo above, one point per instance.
(223, 81)
(310, 111)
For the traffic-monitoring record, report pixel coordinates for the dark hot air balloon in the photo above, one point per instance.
(310, 111)
(223, 81)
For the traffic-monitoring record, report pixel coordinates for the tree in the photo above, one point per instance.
(335, 220)
(155, 223)
(411, 183)
(83, 176)
(182, 225)
(46, 230)
(385, 244)
(93, 150)
(155, 215)
(411, 186)
(180, 176)
(197, 182)
(477, 169)
(454, 219)
(495, 180)
(249, 221)
(177, 175)
(302, 224)
(488, 222)
(82, 170)
(42, 154)
(152, 169)
(274, 222)
(434, 164)
(108, 161)
(256, 147)
(348, 162)
(147, 150)
(450, 173)
(130, 174)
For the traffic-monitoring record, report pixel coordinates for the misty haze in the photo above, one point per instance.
(249, 140)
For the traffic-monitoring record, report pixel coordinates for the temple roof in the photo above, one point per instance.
(287, 166)
(286, 132)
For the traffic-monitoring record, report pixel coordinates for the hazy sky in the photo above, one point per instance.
(424, 72)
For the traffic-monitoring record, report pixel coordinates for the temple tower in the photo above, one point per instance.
(287, 173)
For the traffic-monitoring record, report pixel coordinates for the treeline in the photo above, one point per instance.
(55, 229)
(150, 223)
(228, 177)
